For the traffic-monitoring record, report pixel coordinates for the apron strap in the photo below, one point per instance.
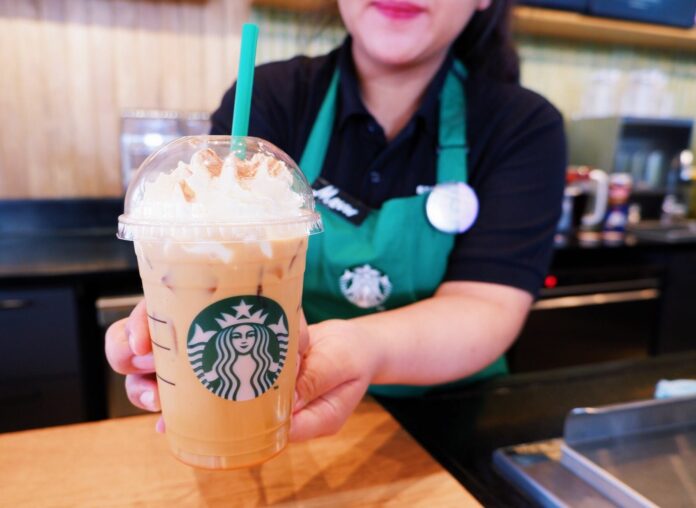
(318, 143)
(452, 144)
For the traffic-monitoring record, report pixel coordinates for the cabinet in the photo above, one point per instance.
(611, 303)
(40, 367)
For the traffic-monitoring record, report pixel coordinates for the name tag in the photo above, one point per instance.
(339, 202)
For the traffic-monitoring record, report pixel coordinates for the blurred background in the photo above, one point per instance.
(72, 68)
(90, 87)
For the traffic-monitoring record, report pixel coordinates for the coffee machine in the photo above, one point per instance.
(649, 150)
(584, 201)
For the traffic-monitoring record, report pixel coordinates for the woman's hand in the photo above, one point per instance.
(337, 365)
(129, 351)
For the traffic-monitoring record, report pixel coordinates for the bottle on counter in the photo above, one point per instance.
(616, 218)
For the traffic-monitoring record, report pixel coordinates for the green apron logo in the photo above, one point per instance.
(237, 346)
(365, 287)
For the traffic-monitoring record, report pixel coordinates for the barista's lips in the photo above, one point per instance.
(398, 9)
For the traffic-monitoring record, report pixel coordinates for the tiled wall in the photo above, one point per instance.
(71, 67)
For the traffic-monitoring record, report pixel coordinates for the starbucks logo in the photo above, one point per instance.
(365, 287)
(237, 346)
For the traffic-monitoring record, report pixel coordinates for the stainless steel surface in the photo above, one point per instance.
(640, 454)
(584, 425)
(565, 302)
(667, 233)
(594, 475)
(647, 149)
(600, 287)
(536, 470)
(593, 142)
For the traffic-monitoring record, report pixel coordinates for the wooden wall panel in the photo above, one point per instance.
(69, 67)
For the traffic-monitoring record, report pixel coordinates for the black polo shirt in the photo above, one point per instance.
(516, 161)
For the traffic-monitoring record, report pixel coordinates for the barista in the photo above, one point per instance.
(449, 178)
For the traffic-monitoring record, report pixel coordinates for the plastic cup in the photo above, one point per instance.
(221, 240)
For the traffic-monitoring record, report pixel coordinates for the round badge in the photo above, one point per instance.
(237, 346)
(452, 207)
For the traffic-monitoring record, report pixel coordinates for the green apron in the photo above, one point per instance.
(395, 256)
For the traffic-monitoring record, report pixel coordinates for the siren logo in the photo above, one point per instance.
(365, 287)
(237, 346)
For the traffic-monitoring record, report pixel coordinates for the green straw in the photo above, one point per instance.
(245, 80)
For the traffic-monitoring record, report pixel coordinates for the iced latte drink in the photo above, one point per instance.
(221, 237)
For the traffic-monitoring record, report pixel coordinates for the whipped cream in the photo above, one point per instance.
(210, 190)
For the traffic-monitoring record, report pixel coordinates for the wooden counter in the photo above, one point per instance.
(123, 462)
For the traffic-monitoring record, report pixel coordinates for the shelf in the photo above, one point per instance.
(559, 25)
(575, 26)
(297, 5)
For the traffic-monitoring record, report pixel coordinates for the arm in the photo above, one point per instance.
(455, 333)
(475, 315)
(462, 329)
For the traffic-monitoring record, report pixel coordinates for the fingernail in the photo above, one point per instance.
(131, 341)
(159, 426)
(143, 362)
(147, 399)
(296, 402)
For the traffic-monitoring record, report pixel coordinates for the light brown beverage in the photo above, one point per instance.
(208, 426)
(220, 232)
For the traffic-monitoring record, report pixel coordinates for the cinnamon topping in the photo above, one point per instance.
(275, 167)
(189, 195)
(246, 170)
(211, 161)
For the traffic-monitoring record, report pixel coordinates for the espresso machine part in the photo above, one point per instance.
(585, 188)
(645, 148)
(598, 182)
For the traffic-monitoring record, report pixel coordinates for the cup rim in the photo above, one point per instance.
(131, 229)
